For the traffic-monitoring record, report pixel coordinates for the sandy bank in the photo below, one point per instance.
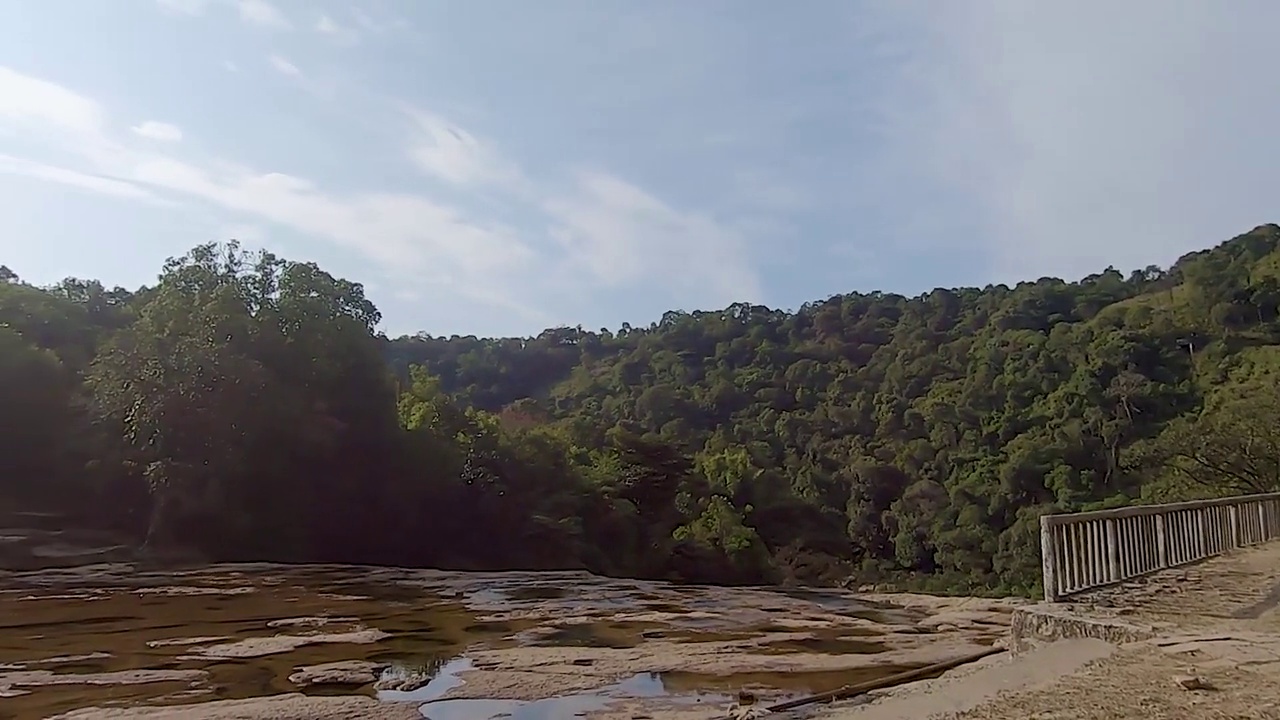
(969, 686)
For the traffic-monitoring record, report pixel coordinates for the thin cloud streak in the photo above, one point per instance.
(602, 231)
(449, 153)
(405, 234)
(183, 7)
(337, 32)
(258, 13)
(163, 132)
(283, 66)
(620, 235)
(10, 165)
(263, 14)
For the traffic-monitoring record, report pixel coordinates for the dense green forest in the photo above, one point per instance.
(246, 407)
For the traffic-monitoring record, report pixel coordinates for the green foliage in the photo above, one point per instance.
(245, 406)
(1230, 447)
(720, 527)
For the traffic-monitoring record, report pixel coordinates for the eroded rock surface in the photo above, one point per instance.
(45, 678)
(258, 629)
(176, 642)
(277, 707)
(312, 622)
(276, 644)
(344, 672)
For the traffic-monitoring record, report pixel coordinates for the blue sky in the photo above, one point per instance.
(498, 167)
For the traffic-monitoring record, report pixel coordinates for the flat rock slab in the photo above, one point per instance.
(346, 672)
(966, 619)
(7, 691)
(260, 647)
(60, 660)
(45, 678)
(533, 672)
(169, 642)
(945, 603)
(192, 590)
(275, 707)
(312, 622)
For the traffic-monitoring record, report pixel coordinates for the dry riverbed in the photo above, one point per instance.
(245, 641)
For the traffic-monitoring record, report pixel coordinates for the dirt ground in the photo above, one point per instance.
(1223, 628)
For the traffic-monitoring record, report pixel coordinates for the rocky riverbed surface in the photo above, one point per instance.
(260, 640)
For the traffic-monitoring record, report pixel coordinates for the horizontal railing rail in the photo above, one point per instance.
(1083, 551)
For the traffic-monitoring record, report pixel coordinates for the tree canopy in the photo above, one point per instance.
(246, 406)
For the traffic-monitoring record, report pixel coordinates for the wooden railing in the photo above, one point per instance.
(1082, 551)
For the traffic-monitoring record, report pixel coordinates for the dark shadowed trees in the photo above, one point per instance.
(246, 406)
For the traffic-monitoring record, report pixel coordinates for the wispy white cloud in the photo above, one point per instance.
(283, 66)
(620, 235)
(403, 232)
(230, 66)
(611, 233)
(448, 152)
(258, 13)
(371, 24)
(327, 25)
(164, 132)
(336, 31)
(184, 7)
(1026, 139)
(323, 88)
(409, 236)
(263, 14)
(10, 165)
(603, 232)
(32, 109)
(27, 101)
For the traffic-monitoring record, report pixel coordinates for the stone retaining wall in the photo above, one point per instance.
(1033, 625)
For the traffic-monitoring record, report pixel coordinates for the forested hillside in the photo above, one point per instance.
(246, 407)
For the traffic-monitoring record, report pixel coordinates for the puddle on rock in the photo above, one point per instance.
(440, 679)
(643, 686)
